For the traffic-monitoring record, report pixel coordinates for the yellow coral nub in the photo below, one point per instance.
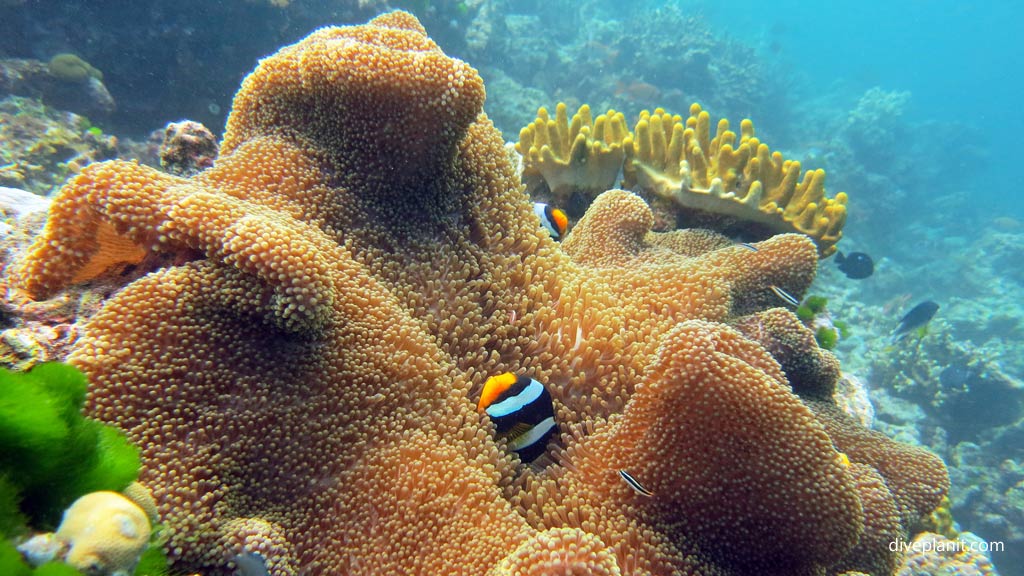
(733, 176)
(106, 532)
(582, 155)
(940, 520)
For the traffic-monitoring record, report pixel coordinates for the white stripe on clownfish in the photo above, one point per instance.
(533, 435)
(509, 405)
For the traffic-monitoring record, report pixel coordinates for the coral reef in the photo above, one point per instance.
(895, 163)
(65, 82)
(24, 214)
(852, 395)
(679, 60)
(989, 495)
(959, 389)
(302, 379)
(510, 103)
(42, 146)
(738, 179)
(690, 178)
(955, 389)
(581, 158)
(188, 148)
(67, 67)
(873, 128)
(183, 59)
(689, 61)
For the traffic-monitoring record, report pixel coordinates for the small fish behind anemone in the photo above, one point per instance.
(786, 297)
(553, 220)
(635, 484)
(522, 412)
(856, 265)
(918, 317)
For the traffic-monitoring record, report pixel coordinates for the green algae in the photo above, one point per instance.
(49, 453)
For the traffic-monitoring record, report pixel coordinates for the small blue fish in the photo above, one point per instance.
(918, 316)
(856, 265)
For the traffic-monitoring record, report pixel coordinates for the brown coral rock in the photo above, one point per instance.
(356, 264)
(188, 148)
(811, 371)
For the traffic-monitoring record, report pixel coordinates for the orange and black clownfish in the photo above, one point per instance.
(553, 220)
(522, 412)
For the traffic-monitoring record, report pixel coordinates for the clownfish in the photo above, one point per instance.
(553, 220)
(522, 412)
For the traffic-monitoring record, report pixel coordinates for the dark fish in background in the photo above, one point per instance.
(917, 317)
(856, 265)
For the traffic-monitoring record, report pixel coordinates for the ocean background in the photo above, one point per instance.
(912, 107)
(953, 57)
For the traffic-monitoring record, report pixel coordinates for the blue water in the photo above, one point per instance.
(960, 60)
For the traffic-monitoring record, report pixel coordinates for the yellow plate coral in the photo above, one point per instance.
(678, 163)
